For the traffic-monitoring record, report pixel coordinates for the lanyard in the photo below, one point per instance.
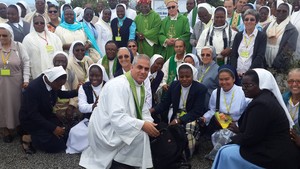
(228, 107)
(247, 42)
(184, 98)
(293, 114)
(5, 58)
(138, 106)
(206, 70)
(45, 39)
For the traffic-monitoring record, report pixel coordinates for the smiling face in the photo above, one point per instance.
(240, 4)
(124, 58)
(157, 65)
(12, 15)
(226, 80)
(106, 15)
(5, 36)
(140, 70)
(250, 88)
(79, 51)
(219, 18)
(263, 13)
(111, 51)
(120, 12)
(185, 76)
(133, 46)
(69, 16)
(53, 13)
(189, 60)
(293, 82)
(88, 14)
(95, 75)
(250, 23)
(203, 15)
(206, 56)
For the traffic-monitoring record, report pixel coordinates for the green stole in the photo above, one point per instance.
(235, 20)
(194, 16)
(105, 64)
(172, 70)
(138, 106)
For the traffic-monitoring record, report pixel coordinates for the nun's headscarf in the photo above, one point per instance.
(267, 81)
(195, 58)
(71, 53)
(194, 70)
(60, 52)
(82, 13)
(279, 2)
(18, 9)
(104, 74)
(221, 8)
(78, 11)
(53, 73)
(9, 29)
(207, 6)
(233, 72)
(3, 4)
(154, 58)
(28, 10)
(45, 25)
(62, 9)
(268, 8)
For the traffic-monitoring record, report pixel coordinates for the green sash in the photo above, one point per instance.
(172, 70)
(194, 16)
(138, 106)
(105, 64)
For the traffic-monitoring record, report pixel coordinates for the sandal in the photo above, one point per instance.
(27, 147)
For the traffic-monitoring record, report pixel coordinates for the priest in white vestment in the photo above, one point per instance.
(121, 122)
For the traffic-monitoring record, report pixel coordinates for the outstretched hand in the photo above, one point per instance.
(150, 129)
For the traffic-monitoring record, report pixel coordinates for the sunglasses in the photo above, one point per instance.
(52, 11)
(79, 50)
(290, 82)
(131, 46)
(205, 55)
(123, 56)
(39, 23)
(4, 36)
(171, 7)
(249, 19)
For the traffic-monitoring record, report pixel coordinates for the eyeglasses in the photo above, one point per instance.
(79, 50)
(131, 46)
(39, 23)
(205, 55)
(171, 7)
(4, 36)
(249, 19)
(123, 56)
(291, 81)
(247, 85)
(52, 11)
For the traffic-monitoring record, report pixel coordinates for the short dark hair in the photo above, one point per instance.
(254, 76)
(185, 67)
(111, 41)
(181, 41)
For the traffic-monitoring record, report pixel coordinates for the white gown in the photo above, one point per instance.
(114, 131)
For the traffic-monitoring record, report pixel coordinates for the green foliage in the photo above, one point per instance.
(81, 3)
(215, 3)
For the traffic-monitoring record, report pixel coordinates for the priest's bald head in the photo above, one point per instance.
(140, 68)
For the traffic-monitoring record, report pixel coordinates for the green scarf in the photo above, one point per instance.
(172, 70)
(194, 16)
(138, 106)
(105, 64)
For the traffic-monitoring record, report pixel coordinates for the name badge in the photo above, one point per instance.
(49, 48)
(118, 38)
(244, 54)
(5, 72)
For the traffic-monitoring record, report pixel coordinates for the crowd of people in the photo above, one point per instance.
(98, 79)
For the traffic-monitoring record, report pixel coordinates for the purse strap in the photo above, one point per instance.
(218, 99)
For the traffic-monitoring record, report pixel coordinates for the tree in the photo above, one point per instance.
(81, 3)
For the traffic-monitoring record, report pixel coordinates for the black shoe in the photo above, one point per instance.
(8, 139)
(117, 165)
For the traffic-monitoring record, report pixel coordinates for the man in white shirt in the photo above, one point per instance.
(121, 122)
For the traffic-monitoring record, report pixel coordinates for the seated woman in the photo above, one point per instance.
(78, 62)
(67, 109)
(208, 71)
(263, 129)
(231, 100)
(155, 76)
(193, 60)
(36, 113)
(187, 99)
(88, 95)
(291, 99)
(125, 58)
(249, 46)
